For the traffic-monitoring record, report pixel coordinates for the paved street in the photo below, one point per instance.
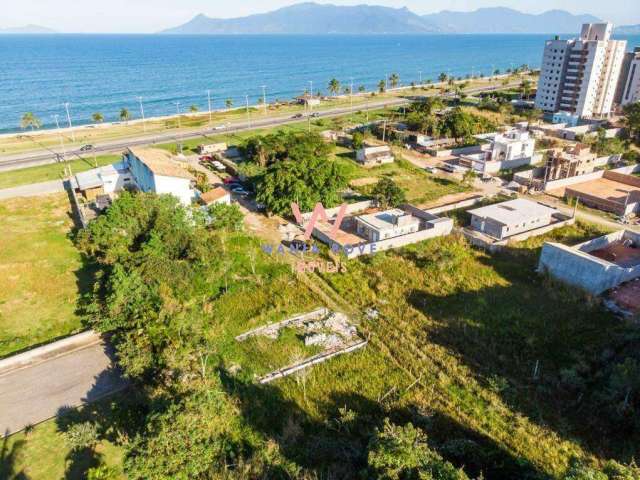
(33, 189)
(36, 393)
(43, 157)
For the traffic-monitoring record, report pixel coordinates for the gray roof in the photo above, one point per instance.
(513, 212)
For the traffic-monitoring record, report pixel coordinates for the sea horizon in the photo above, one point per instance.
(107, 72)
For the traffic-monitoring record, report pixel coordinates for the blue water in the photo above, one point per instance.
(105, 73)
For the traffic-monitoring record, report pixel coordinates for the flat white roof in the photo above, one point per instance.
(513, 212)
(386, 219)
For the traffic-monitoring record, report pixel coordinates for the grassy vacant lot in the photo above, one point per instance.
(43, 452)
(469, 328)
(54, 171)
(41, 272)
(419, 186)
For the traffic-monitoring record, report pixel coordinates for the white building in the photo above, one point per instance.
(580, 76)
(629, 85)
(388, 224)
(216, 196)
(373, 156)
(509, 218)
(157, 171)
(504, 151)
(103, 180)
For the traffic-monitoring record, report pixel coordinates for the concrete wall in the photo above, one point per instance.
(456, 205)
(176, 186)
(588, 177)
(436, 228)
(582, 270)
(457, 151)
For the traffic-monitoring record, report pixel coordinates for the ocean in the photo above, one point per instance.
(105, 73)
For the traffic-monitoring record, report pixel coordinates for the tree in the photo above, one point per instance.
(228, 103)
(382, 86)
(442, 77)
(632, 120)
(394, 79)
(124, 115)
(362, 89)
(193, 108)
(30, 120)
(226, 217)
(399, 453)
(525, 88)
(334, 86)
(267, 149)
(97, 117)
(469, 177)
(82, 436)
(303, 178)
(357, 141)
(387, 194)
(496, 71)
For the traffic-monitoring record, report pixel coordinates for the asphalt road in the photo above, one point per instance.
(42, 157)
(12, 162)
(36, 393)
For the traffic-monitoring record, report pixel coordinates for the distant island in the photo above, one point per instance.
(26, 30)
(313, 18)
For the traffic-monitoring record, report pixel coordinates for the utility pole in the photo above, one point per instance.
(64, 152)
(73, 136)
(264, 98)
(209, 103)
(178, 113)
(144, 123)
(248, 113)
(420, 74)
(351, 97)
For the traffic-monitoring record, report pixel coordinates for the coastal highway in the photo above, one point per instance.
(42, 157)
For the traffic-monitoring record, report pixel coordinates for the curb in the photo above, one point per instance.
(45, 352)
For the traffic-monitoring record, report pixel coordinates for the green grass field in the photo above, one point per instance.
(43, 451)
(42, 272)
(54, 171)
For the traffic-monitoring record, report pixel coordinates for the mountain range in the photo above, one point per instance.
(313, 18)
(27, 29)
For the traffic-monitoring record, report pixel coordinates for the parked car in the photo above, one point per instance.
(230, 180)
(240, 191)
(315, 115)
(219, 127)
(298, 115)
(431, 169)
(86, 148)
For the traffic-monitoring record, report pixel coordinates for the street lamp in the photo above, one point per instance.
(248, 113)
(144, 123)
(209, 103)
(264, 98)
(73, 136)
(178, 113)
(351, 96)
(64, 152)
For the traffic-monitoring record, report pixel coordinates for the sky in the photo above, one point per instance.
(146, 16)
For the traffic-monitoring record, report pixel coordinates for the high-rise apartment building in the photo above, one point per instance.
(629, 83)
(580, 75)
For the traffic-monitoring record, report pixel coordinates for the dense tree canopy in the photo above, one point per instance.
(632, 120)
(268, 149)
(387, 194)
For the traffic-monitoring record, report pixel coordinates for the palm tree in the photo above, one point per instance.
(346, 90)
(394, 79)
(97, 117)
(382, 86)
(496, 71)
(30, 120)
(193, 108)
(125, 115)
(442, 77)
(228, 103)
(525, 88)
(362, 89)
(334, 86)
